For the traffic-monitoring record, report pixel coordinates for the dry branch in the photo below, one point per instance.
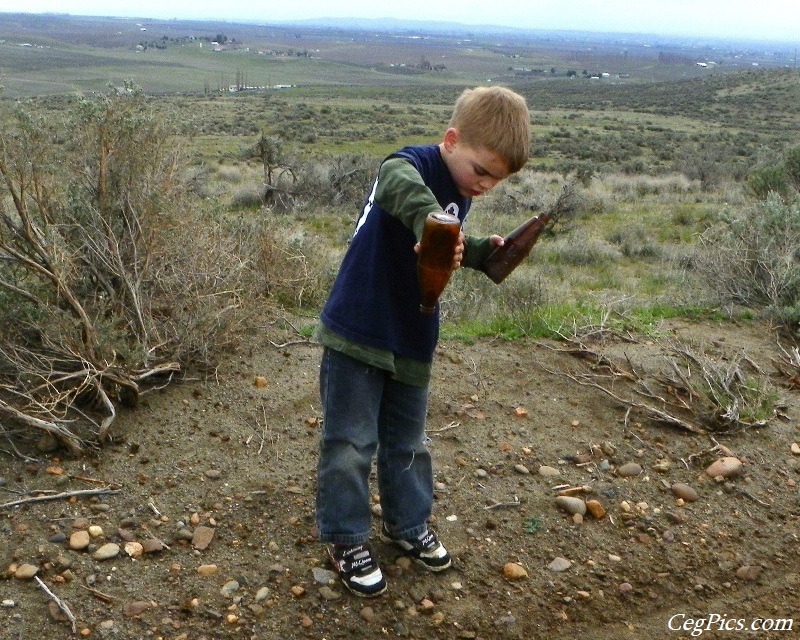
(60, 603)
(61, 496)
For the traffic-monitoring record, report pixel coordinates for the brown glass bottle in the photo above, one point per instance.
(436, 251)
(516, 246)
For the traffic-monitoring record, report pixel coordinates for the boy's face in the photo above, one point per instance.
(474, 171)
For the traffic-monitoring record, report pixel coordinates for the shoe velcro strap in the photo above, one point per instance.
(356, 559)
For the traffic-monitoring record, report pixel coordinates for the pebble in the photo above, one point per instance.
(559, 564)
(521, 468)
(630, 470)
(58, 538)
(571, 505)
(26, 571)
(126, 535)
(134, 549)
(685, 492)
(326, 593)
(79, 540)
(748, 573)
(323, 576)
(201, 537)
(367, 613)
(625, 587)
(107, 551)
(9, 604)
(262, 594)
(133, 609)
(662, 466)
(796, 449)
(727, 467)
(481, 473)
(548, 472)
(207, 569)
(595, 508)
(95, 531)
(229, 588)
(514, 571)
(151, 545)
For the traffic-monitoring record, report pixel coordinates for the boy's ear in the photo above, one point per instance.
(451, 137)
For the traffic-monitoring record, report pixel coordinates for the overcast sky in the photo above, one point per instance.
(764, 19)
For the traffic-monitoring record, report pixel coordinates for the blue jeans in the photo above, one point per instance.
(366, 412)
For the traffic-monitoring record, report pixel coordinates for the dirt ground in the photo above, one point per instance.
(234, 455)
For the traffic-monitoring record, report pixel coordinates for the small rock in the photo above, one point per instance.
(95, 531)
(326, 593)
(207, 569)
(229, 588)
(48, 443)
(367, 613)
(625, 587)
(79, 540)
(662, 466)
(514, 571)
(571, 505)
(685, 492)
(9, 604)
(26, 571)
(559, 564)
(202, 537)
(727, 467)
(213, 474)
(481, 473)
(595, 508)
(323, 576)
(796, 449)
(262, 594)
(748, 573)
(107, 551)
(126, 535)
(152, 545)
(522, 469)
(133, 609)
(134, 549)
(548, 472)
(630, 470)
(58, 538)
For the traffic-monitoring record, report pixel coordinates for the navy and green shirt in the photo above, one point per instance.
(372, 311)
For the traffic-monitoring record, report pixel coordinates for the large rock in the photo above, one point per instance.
(726, 467)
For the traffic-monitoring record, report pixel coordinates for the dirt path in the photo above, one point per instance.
(234, 461)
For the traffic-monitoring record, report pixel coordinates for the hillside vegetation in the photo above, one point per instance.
(200, 205)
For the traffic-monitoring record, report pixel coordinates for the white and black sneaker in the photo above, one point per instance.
(426, 550)
(358, 569)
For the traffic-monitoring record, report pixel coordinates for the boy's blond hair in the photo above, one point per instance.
(497, 119)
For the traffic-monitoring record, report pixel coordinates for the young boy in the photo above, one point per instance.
(378, 347)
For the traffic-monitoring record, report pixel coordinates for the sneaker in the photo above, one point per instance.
(358, 569)
(426, 550)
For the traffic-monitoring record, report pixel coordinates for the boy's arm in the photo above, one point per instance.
(402, 193)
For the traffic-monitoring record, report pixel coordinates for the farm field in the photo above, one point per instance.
(586, 374)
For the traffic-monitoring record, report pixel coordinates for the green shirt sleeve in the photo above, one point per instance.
(401, 192)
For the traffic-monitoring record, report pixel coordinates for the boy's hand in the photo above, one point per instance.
(459, 254)
(496, 241)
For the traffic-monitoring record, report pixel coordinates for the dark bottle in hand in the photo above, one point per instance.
(436, 252)
(516, 246)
